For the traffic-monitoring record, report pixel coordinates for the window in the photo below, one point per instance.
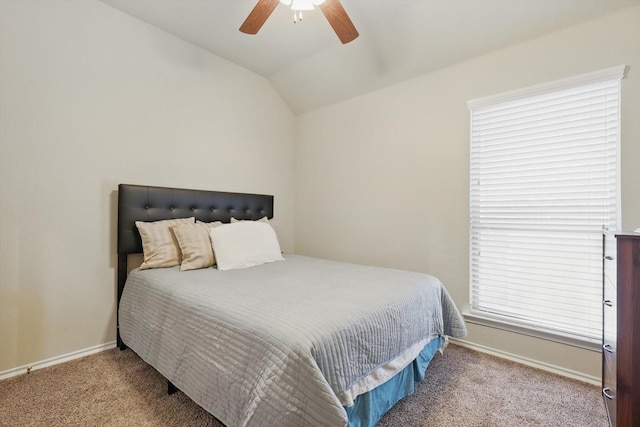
(544, 185)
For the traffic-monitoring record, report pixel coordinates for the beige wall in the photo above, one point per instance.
(90, 98)
(383, 178)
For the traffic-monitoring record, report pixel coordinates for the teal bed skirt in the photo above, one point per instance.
(368, 408)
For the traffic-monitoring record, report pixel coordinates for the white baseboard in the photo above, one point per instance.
(580, 376)
(498, 353)
(56, 360)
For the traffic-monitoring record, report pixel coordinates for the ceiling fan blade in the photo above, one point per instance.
(339, 20)
(258, 16)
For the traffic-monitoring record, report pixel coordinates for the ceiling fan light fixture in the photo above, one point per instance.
(299, 5)
(331, 9)
(302, 4)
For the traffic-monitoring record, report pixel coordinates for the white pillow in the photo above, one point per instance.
(271, 222)
(244, 244)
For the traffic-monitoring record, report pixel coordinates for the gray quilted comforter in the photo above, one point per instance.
(279, 344)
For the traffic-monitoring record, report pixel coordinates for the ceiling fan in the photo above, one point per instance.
(332, 10)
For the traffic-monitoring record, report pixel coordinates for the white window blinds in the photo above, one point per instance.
(544, 185)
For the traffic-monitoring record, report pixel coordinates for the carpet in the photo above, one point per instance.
(461, 388)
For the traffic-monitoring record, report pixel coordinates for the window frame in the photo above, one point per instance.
(522, 327)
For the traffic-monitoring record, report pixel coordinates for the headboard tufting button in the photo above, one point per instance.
(146, 207)
(171, 208)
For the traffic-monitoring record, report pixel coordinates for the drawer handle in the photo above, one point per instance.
(608, 349)
(605, 392)
(608, 258)
(608, 303)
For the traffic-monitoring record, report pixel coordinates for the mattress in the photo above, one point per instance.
(288, 343)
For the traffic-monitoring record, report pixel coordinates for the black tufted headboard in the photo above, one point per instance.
(144, 203)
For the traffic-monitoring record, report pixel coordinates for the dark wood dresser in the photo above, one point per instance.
(621, 329)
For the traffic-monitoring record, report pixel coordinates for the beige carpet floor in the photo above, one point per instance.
(462, 388)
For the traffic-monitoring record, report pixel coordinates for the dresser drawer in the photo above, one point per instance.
(609, 316)
(609, 259)
(609, 384)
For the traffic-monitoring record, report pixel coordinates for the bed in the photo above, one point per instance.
(297, 342)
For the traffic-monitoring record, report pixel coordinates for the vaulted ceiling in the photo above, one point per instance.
(399, 39)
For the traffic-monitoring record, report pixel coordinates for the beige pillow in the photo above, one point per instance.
(209, 224)
(159, 245)
(195, 244)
